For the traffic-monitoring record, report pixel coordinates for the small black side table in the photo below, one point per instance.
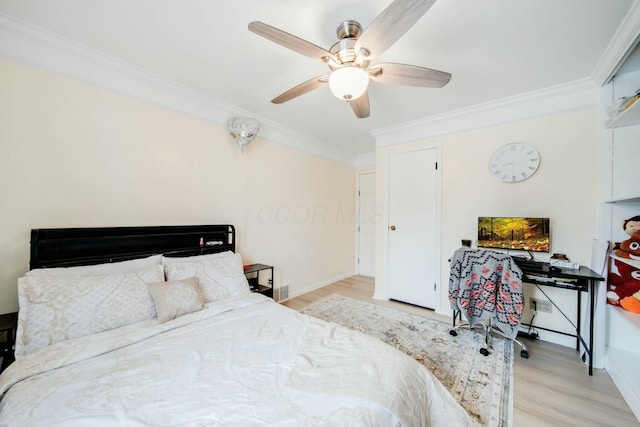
(8, 327)
(253, 277)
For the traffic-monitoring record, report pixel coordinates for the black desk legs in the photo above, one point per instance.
(592, 299)
(582, 280)
(579, 309)
(591, 288)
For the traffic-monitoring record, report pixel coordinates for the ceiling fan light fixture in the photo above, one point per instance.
(348, 83)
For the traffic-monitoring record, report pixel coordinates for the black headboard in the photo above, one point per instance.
(64, 247)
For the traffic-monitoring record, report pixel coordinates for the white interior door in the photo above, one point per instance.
(413, 228)
(366, 223)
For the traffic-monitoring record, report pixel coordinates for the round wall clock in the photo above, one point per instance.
(514, 162)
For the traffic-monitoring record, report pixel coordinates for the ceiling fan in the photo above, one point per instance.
(350, 58)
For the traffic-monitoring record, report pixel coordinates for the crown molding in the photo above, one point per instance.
(619, 47)
(41, 48)
(367, 159)
(551, 100)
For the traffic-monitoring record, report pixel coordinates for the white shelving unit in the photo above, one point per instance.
(623, 353)
(630, 199)
(621, 144)
(629, 117)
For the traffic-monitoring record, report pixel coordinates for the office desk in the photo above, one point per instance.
(582, 280)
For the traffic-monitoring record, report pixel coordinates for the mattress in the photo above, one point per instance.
(242, 361)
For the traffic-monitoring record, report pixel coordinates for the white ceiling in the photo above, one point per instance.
(494, 49)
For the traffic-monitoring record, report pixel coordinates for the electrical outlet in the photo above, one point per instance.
(540, 305)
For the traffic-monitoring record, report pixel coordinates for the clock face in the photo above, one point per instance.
(514, 162)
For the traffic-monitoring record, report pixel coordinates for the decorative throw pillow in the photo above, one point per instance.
(176, 298)
(172, 260)
(57, 308)
(99, 269)
(219, 277)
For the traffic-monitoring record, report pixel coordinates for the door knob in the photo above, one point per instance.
(392, 227)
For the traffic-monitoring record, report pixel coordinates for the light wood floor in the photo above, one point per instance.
(551, 388)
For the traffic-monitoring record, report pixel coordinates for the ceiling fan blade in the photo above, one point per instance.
(408, 75)
(360, 106)
(290, 41)
(301, 89)
(392, 24)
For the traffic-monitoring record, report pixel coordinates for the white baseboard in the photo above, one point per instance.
(445, 312)
(623, 369)
(553, 337)
(380, 296)
(316, 286)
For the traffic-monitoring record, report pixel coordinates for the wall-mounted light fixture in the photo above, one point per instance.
(243, 130)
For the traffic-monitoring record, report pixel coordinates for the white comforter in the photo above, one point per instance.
(243, 362)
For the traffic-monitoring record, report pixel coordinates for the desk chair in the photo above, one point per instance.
(486, 287)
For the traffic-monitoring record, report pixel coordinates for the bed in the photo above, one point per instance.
(156, 326)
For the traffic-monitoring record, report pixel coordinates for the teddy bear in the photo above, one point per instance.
(624, 279)
(631, 303)
(629, 226)
(630, 248)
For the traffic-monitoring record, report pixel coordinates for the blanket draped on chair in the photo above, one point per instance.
(486, 286)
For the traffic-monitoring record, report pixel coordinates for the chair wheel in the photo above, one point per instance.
(453, 333)
(484, 352)
(524, 353)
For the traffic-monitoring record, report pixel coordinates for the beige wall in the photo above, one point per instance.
(564, 189)
(73, 154)
(299, 215)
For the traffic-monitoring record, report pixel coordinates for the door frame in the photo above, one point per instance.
(383, 293)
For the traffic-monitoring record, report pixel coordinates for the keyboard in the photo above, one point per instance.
(527, 264)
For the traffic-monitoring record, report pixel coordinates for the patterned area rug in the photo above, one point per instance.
(483, 385)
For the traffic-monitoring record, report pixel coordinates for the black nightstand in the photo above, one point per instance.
(8, 327)
(253, 277)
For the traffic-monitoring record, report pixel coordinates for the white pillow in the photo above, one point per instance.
(177, 298)
(57, 308)
(99, 269)
(172, 260)
(220, 277)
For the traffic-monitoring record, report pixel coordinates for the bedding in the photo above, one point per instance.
(99, 269)
(177, 298)
(243, 360)
(172, 260)
(57, 308)
(220, 275)
(203, 351)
